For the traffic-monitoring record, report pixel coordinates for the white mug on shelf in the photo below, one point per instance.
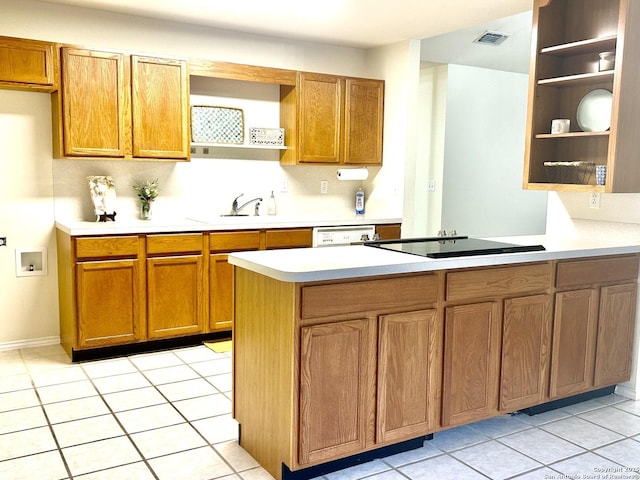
(560, 125)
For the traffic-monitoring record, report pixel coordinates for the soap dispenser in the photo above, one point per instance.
(359, 202)
(271, 206)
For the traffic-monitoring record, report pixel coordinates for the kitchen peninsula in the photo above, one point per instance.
(341, 352)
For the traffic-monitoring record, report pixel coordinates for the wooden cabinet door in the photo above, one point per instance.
(616, 323)
(526, 344)
(363, 114)
(335, 365)
(409, 355)
(108, 301)
(94, 98)
(27, 64)
(160, 101)
(574, 342)
(319, 118)
(221, 292)
(175, 296)
(471, 363)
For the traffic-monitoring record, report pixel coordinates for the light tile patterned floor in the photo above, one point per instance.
(167, 416)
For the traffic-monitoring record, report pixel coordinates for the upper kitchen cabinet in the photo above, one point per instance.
(332, 120)
(120, 106)
(28, 65)
(568, 80)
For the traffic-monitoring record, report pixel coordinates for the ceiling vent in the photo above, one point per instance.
(492, 38)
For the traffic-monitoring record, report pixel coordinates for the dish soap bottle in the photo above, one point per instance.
(359, 202)
(271, 206)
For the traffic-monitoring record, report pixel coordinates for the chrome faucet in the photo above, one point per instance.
(235, 209)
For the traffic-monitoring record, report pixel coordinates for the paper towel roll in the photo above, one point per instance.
(352, 174)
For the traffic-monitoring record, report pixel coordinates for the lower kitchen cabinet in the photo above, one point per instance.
(220, 292)
(175, 296)
(336, 365)
(347, 366)
(574, 340)
(221, 279)
(175, 284)
(616, 324)
(526, 342)
(109, 303)
(593, 324)
(409, 373)
(471, 363)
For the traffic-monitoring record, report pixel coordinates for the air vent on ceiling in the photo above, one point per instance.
(491, 38)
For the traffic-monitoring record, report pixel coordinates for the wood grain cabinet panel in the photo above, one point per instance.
(320, 118)
(289, 238)
(160, 101)
(175, 296)
(335, 365)
(526, 348)
(409, 358)
(27, 65)
(221, 292)
(491, 282)
(332, 120)
(363, 121)
(109, 303)
(597, 271)
(407, 293)
(574, 340)
(471, 363)
(616, 324)
(95, 97)
(121, 106)
(106, 247)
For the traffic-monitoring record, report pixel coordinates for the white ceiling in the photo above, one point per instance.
(457, 47)
(357, 23)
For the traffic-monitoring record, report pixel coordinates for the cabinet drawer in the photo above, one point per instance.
(234, 241)
(178, 243)
(336, 299)
(492, 282)
(295, 237)
(597, 270)
(96, 247)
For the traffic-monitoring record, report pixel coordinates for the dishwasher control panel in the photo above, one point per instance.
(347, 235)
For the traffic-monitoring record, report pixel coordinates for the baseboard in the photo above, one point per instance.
(627, 392)
(34, 342)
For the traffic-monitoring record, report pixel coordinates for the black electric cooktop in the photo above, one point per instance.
(447, 247)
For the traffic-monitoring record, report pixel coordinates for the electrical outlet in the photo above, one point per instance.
(594, 200)
(284, 186)
(324, 186)
(3, 241)
(431, 186)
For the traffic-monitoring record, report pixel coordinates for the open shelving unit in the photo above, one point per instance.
(568, 36)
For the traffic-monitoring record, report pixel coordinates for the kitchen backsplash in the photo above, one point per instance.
(207, 186)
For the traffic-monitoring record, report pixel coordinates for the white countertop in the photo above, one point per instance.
(332, 263)
(199, 224)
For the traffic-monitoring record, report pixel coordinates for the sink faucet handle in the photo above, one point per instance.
(234, 205)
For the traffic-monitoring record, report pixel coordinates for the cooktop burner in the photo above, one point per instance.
(447, 247)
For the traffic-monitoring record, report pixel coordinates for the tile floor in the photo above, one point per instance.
(166, 415)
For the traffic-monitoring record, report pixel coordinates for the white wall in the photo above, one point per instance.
(41, 185)
(29, 306)
(483, 156)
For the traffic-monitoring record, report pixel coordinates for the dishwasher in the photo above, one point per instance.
(344, 235)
